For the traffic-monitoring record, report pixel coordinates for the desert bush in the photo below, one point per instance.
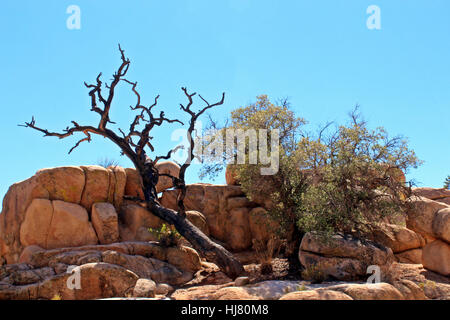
(107, 162)
(342, 178)
(314, 273)
(266, 251)
(168, 236)
(359, 182)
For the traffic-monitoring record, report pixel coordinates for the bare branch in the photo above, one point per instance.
(169, 154)
(144, 165)
(194, 116)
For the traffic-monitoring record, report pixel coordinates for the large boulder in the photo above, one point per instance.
(133, 185)
(78, 185)
(36, 226)
(432, 193)
(96, 280)
(64, 183)
(144, 288)
(431, 284)
(436, 257)
(103, 185)
(150, 268)
(409, 290)
(135, 222)
(213, 292)
(199, 220)
(343, 257)
(183, 258)
(119, 182)
(441, 224)
(369, 291)
(70, 226)
(421, 215)
(398, 238)
(105, 222)
(56, 224)
(231, 217)
(316, 295)
(97, 186)
(43, 270)
(410, 256)
(239, 237)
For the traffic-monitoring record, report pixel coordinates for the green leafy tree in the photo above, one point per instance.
(343, 178)
(360, 180)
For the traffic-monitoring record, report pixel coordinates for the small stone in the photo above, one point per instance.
(144, 288)
(241, 281)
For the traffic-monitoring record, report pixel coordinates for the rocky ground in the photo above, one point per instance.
(147, 270)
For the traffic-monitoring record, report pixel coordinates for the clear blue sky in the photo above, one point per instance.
(319, 53)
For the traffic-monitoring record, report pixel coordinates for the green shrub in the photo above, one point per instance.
(345, 178)
(168, 236)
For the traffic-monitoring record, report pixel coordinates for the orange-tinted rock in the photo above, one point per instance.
(105, 222)
(133, 185)
(79, 185)
(369, 291)
(198, 220)
(432, 193)
(239, 236)
(70, 226)
(436, 257)
(316, 295)
(227, 213)
(62, 183)
(36, 226)
(441, 224)
(420, 217)
(410, 256)
(184, 258)
(397, 238)
(144, 288)
(120, 178)
(409, 290)
(343, 257)
(27, 253)
(97, 280)
(98, 181)
(135, 221)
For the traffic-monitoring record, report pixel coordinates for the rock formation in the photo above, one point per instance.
(89, 219)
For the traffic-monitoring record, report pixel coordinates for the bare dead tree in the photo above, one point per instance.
(134, 145)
